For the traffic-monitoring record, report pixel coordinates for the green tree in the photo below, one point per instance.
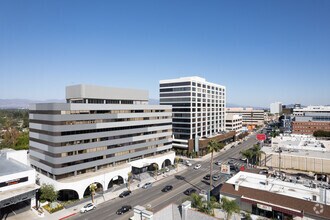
(92, 189)
(48, 192)
(248, 154)
(256, 151)
(213, 146)
(229, 206)
(196, 201)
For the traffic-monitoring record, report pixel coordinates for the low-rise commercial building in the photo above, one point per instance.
(276, 198)
(17, 181)
(250, 117)
(234, 122)
(310, 119)
(99, 136)
(298, 152)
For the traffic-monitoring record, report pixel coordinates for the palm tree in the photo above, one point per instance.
(155, 166)
(196, 201)
(92, 189)
(176, 163)
(129, 178)
(229, 206)
(248, 154)
(212, 146)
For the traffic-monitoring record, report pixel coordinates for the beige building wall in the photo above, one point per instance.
(303, 163)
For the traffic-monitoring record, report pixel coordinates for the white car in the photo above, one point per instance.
(147, 185)
(197, 166)
(188, 163)
(87, 207)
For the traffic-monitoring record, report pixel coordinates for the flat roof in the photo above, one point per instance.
(10, 166)
(101, 92)
(278, 186)
(18, 191)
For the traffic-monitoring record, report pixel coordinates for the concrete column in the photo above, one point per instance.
(185, 206)
(75, 173)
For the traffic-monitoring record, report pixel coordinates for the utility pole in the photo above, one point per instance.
(279, 163)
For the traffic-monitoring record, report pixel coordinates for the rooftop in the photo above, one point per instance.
(278, 186)
(10, 166)
(101, 92)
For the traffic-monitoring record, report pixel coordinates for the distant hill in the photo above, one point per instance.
(23, 103)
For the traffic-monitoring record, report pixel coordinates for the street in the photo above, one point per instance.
(156, 199)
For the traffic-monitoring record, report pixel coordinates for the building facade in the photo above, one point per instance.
(100, 133)
(198, 108)
(276, 108)
(234, 122)
(310, 119)
(250, 117)
(17, 182)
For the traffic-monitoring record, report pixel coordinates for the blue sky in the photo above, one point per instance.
(262, 51)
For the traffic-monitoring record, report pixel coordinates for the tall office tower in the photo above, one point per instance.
(99, 136)
(276, 108)
(198, 109)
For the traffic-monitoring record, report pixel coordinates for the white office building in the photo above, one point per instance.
(99, 136)
(198, 108)
(276, 108)
(234, 122)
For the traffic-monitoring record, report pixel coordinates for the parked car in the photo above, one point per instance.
(123, 209)
(216, 177)
(167, 188)
(87, 207)
(206, 177)
(125, 193)
(189, 191)
(147, 185)
(197, 166)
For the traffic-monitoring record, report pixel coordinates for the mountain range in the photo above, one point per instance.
(24, 103)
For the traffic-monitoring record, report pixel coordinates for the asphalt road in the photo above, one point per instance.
(156, 199)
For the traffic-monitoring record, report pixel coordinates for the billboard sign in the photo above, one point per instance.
(225, 168)
(261, 137)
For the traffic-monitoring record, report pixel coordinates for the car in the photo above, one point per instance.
(190, 191)
(188, 163)
(167, 188)
(125, 193)
(231, 161)
(206, 177)
(87, 207)
(123, 209)
(147, 185)
(218, 163)
(216, 177)
(197, 166)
